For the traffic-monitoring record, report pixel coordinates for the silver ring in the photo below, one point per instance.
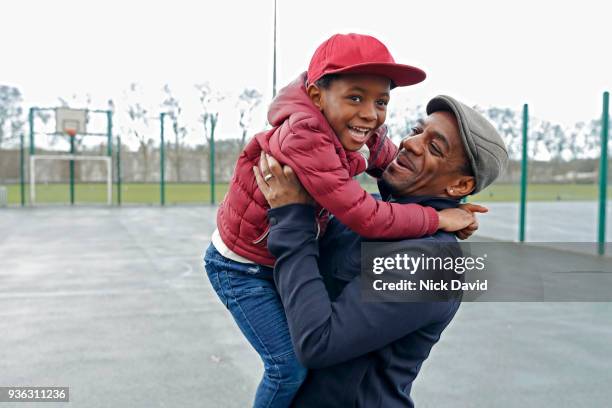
(268, 177)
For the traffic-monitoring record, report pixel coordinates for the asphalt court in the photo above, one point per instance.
(113, 303)
(559, 221)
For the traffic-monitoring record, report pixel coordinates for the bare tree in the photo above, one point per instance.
(11, 112)
(248, 100)
(401, 121)
(508, 123)
(593, 139)
(137, 114)
(174, 111)
(209, 115)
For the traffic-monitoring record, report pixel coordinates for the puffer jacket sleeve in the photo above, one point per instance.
(357, 163)
(315, 160)
(382, 152)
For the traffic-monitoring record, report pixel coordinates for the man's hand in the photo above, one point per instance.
(279, 184)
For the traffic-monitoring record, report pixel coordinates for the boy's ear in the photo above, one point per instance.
(315, 95)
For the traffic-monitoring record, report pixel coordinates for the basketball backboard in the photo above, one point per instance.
(71, 121)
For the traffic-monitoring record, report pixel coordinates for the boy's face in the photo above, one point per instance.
(355, 105)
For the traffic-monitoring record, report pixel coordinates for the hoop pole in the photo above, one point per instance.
(109, 133)
(71, 171)
(603, 175)
(162, 167)
(523, 203)
(22, 168)
(118, 170)
(31, 122)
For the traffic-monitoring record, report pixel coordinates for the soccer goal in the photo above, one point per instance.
(92, 180)
(70, 157)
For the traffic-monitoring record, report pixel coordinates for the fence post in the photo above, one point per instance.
(22, 168)
(31, 122)
(524, 159)
(162, 166)
(72, 170)
(118, 170)
(109, 133)
(603, 176)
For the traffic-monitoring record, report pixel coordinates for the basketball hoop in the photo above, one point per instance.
(70, 132)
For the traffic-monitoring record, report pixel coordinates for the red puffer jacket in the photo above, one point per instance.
(302, 138)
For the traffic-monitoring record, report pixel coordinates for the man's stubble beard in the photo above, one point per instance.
(387, 187)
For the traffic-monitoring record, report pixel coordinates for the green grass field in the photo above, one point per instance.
(149, 193)
(541, 192)
(133, 193)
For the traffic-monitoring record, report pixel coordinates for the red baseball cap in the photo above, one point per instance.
(360, 54)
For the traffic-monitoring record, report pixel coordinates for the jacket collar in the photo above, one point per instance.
(438, 203)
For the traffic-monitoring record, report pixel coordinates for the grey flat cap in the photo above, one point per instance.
(484, 146)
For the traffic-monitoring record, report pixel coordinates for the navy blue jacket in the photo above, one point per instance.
(360, 354)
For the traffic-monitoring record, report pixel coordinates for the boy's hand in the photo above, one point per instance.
(455, 219)
(467, 232)
(473, 208)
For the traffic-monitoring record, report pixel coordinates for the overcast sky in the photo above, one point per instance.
(554, 55)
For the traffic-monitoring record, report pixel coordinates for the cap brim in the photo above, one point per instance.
(401, 75)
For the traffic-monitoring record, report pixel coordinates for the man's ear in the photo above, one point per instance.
(315, 95)
(461, 187)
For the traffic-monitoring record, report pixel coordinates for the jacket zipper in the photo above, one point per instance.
(263, 236)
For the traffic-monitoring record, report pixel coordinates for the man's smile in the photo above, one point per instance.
(403, 161)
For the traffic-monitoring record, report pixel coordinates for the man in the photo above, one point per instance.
(367, 354)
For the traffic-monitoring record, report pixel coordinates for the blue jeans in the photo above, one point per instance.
(248, 292)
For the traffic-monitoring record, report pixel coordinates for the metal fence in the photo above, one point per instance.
(159, 169)
(3, 196)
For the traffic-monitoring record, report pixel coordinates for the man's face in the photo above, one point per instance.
(355, 106)
(430, 159)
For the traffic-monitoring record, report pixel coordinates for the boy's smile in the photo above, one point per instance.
(355, 105)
